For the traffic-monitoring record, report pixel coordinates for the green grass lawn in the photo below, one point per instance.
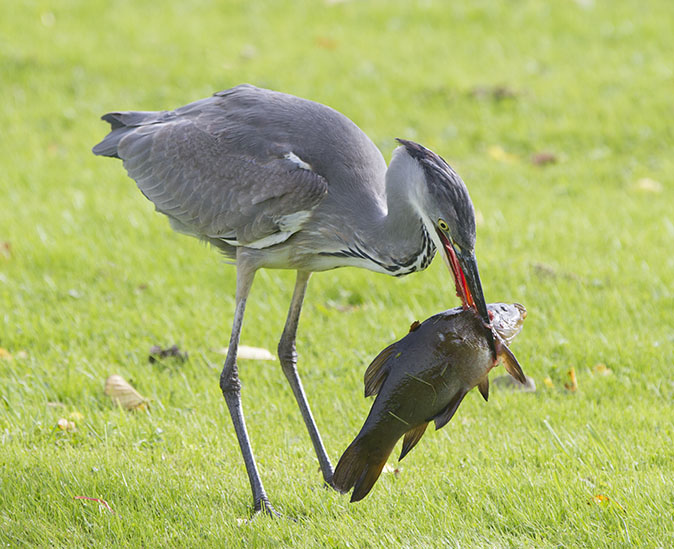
(91, 277)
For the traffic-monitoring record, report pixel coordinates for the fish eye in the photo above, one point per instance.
(442, 224)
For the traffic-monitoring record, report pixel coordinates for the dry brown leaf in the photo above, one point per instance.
(572, 383)
(5, 250)
(542, 158)
(493, 92)
(121, 392)
(326, 42)
(158, 353)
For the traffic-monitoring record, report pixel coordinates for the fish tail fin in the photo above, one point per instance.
(358, 469)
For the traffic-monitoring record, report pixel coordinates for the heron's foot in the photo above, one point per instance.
(265, 508)
(327, 481)
(328, 485)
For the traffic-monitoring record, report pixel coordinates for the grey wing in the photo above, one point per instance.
(211, 187)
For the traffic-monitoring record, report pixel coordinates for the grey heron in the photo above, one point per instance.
(276, 181)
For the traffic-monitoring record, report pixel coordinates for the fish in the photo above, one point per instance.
(423, 377)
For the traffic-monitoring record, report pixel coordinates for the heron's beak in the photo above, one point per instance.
(468, 285)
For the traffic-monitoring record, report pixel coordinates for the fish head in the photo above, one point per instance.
(507, 319)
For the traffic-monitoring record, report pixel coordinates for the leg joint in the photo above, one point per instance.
(229, 382)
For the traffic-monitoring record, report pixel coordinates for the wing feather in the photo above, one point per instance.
(213, 176)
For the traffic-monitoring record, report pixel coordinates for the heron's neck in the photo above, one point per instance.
(384, 234)
(403, 241)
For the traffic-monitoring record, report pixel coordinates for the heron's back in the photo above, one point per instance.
(247, 165)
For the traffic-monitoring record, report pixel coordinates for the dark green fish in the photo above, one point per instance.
(422, 378)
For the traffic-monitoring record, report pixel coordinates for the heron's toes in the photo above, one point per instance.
(328, 483)
(264, 507)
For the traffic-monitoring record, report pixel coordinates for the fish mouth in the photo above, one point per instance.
(463, 267)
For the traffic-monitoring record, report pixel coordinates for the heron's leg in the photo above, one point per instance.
(231, 390)
(288, 357)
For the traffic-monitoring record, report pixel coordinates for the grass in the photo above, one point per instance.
(94, 278)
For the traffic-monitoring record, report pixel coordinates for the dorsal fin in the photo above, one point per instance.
(483, 387)
(411, 438)
(511, 365)
(443, 417)
(377, 371)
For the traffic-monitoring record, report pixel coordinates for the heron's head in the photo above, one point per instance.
(449, 216)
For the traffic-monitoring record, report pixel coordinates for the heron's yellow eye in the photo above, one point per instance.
(443, 225)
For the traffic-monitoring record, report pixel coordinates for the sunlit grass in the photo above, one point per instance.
(93, 277)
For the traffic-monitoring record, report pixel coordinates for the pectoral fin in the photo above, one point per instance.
(411, 438)
(377, 371)
(483, 387)
(511, 365)
(443, 417)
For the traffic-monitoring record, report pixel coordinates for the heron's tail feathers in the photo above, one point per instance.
(359, 469)
(123, 122)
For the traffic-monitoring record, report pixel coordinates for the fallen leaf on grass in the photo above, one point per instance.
(157, 353)
(498, 153)
(648, 185)
(5, 250)
(548, 383)
(544, 270)
(252, 353)
(5, 354)
(508, 382)
(602, 500)
(326, 42)
(121, 392)
(97, 500)
(66, 425)
(601, 370)
(391, 469)
(542, 158)
(496, 93)
(572, 383)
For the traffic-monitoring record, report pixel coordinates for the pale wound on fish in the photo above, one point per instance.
(377, 371)
(483, 387)
(511, 365)
(411, 438)
(443, 417)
